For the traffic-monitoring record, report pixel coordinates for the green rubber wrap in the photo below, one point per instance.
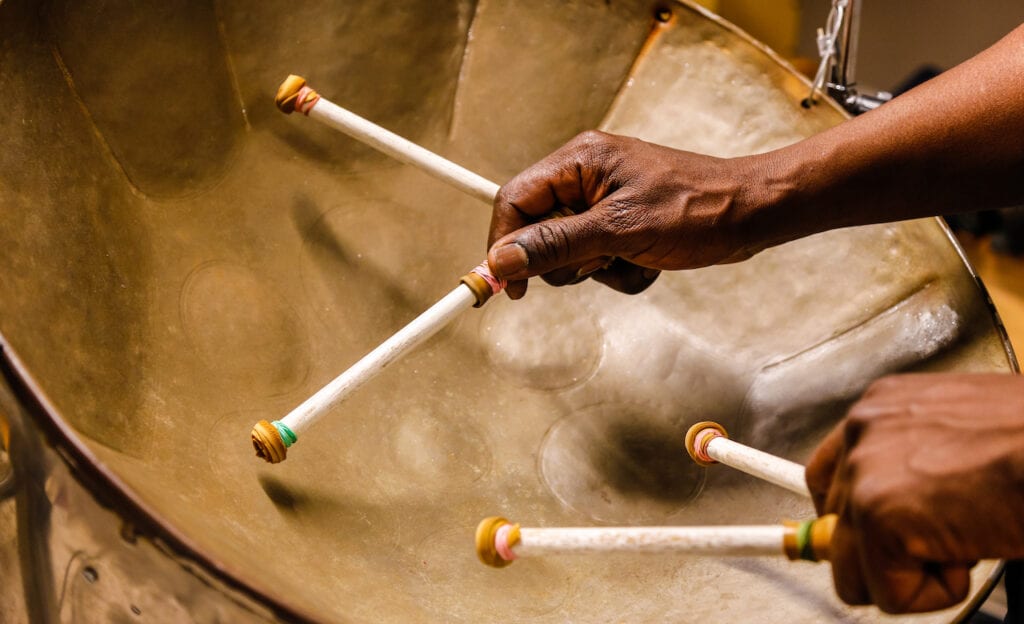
(803, 541)
(287, 435)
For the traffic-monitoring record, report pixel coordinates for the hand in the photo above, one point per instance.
(927, 476)
(640, 208)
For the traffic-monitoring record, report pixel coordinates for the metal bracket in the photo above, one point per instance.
(837, 47)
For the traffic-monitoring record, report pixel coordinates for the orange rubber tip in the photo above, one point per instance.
(288, 92)
(691, 440)
(486, 532)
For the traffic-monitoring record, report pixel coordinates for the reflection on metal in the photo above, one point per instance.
(170, 274)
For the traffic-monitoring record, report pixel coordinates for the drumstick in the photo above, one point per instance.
(272, 439)
(708, 443)
(294, 95)
(499, 542)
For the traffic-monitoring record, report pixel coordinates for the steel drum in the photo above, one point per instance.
(178, 260)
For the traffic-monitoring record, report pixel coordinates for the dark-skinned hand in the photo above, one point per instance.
(639, 208)
(926, 474)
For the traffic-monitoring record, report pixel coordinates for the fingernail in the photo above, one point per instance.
(651, 273)
(590, 267)
(509, 259)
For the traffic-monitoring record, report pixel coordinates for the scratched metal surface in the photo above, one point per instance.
(178, 260)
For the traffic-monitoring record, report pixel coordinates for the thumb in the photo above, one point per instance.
(548, 245)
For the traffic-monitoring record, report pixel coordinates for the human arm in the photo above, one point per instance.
(926, 474)
(955, 143)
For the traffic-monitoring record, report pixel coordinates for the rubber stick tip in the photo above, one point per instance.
(266, 439)
(486, 534)
(481, 289)
(810, 540)
(288, 92)
(700, 455)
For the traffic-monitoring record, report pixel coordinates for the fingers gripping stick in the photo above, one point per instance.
(499, 542)
(272, 439)
(708, 443)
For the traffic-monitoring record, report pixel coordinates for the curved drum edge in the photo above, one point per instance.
(1011, 353)
(122, 529)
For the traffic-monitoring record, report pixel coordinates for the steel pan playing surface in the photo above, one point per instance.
(178, 260)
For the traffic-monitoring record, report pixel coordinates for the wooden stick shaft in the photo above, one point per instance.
(781, 472)
(742, 541)
(404, 150)
(421, 328)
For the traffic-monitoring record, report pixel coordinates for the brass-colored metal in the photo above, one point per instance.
(268, 443)
(178, 260)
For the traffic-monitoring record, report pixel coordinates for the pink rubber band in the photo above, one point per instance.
(701, 441)
(484, 271)
(301, 104)
(501, 543)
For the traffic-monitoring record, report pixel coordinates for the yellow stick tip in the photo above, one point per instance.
(485, 535)
(268, 443)
(691, 439)
(287, 92)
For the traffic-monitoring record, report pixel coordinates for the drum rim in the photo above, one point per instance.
(116, 495)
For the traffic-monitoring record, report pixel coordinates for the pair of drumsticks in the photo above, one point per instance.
(498, 541)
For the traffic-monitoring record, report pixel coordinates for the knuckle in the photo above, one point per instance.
(865, 507)
(553, 243)
(591, 138)
(884, 513)
(504, 196)
(594, 146)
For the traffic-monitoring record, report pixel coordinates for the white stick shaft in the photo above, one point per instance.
(422, 327)
(781, 472)
(404, 150)
(742, 541)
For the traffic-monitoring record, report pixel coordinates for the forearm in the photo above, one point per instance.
(953, 144)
